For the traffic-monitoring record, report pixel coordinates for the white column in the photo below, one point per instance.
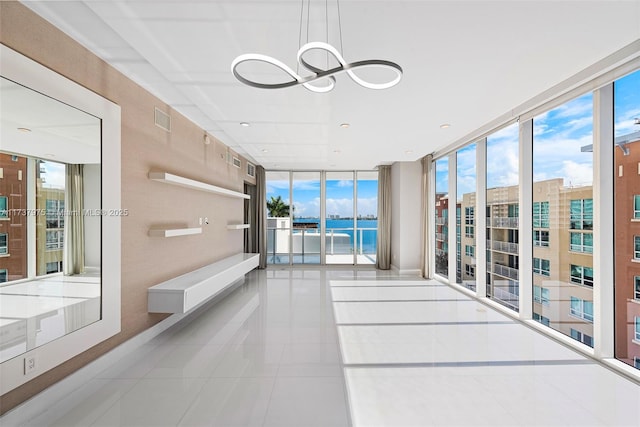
(525, 220)
(481, 218)
(603, 211)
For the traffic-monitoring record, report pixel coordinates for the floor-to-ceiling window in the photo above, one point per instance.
(502, 216)
(563, 219)
(306, 218)
(339, 218)
(627, 218)
(465, 217)
(295, 204)
(442, 216)
(367, 223)
(278, 219)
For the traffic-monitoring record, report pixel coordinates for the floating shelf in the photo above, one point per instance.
(238, 226)
(180, 181)
(174, 232)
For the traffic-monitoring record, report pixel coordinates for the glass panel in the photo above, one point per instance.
(465, 217)
(502, 217)
(306, 218)
(626, 214)
(562, 185)
(442, 216)
(278, 220)
(50, 186)
(339, 221)
(367, 235)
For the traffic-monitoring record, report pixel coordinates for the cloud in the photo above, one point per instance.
(55, 175)
(345, 183)
(576, 174)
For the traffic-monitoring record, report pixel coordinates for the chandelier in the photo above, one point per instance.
(316, 73)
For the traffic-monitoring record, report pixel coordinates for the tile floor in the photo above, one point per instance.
(403, 353)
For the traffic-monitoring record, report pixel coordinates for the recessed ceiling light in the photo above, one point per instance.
(264, 150)
(24, 129)
(245, 124)
(408, 151)
(50, 155)
(445, 126)
(336, 151)
(344, 125)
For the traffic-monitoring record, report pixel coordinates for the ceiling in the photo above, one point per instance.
(32, 124)
(465, 63)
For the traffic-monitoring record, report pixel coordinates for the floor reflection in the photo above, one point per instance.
(35, 312)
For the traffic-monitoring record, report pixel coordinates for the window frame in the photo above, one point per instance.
(4, 249)
(539, 269)
(541, 215)
(584, 218)
(537, 239)
(581, 313)
(4, 271)
(636, 206)
(636, 289)
(582, 279)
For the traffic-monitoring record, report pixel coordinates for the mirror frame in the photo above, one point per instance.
(29, 73)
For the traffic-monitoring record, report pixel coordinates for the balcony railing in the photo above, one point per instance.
(441, 220)
(505, 222)
(508, 247)
(510, 299)
(441, 237)
(504, 271)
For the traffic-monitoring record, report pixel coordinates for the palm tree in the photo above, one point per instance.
(277, 207)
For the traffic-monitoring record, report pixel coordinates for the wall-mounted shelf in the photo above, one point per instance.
(180, 181)
(238, 226)
(174, 232)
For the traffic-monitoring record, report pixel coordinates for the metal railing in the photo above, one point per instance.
(505, 222)
(504, 271)
(498, 245)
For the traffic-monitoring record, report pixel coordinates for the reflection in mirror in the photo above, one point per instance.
(50, 183)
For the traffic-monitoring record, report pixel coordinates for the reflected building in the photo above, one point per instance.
(13, 218)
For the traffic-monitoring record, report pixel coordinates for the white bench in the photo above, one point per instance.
(182, 293)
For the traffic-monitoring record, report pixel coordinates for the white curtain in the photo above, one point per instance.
(425, 266)
(73, 262)
(383, 258)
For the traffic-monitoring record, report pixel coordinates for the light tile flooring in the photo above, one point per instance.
(412, 353)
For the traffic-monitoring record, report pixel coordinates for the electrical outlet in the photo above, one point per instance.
(29, 364)
(206, 221)
(200, 221)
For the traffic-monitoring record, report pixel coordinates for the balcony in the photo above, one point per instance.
(441, 237)
(510, 248)
(504, 222)
(504, 271)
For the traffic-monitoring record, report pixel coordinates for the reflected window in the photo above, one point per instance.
(3, 275)
(4, 207)
(581, 214)
(636, 294)
(636, 206)
(582, 309)
(541, 266)
(4, 244)
(581, 242)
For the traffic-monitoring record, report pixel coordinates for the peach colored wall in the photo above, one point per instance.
(145, 261)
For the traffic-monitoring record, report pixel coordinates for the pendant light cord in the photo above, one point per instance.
(340, 28)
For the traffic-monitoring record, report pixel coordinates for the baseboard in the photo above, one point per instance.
(407, 272)
(51, 396)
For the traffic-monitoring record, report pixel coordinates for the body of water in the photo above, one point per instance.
(367, 230)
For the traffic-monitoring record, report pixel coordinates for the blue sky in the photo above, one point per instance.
(306, 194)
(559, 135)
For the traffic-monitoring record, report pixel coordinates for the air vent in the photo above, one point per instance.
(236, 162)
(163, 120)
(251, 170)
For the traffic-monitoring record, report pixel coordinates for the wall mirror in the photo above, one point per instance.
(59, 219)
